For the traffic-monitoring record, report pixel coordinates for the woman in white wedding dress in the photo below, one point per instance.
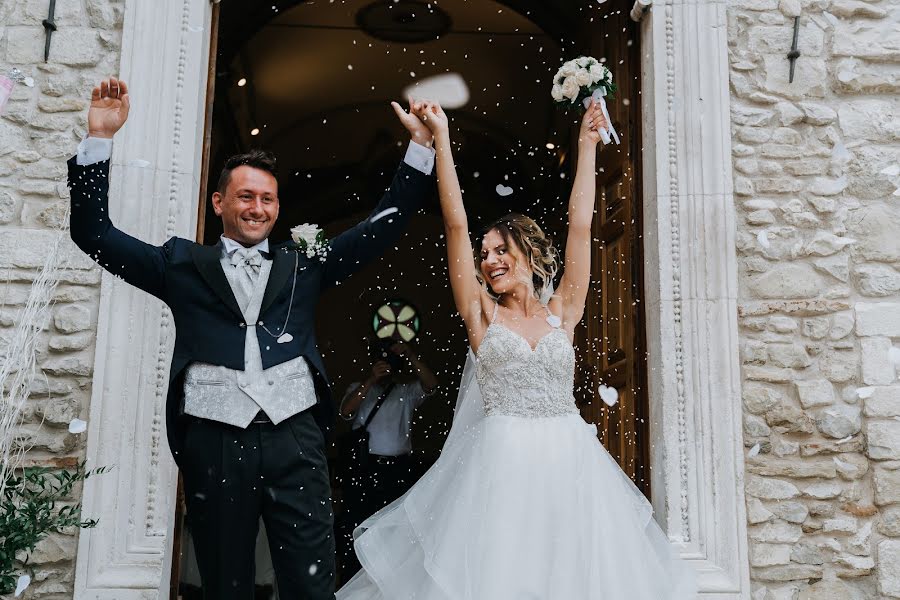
(524, 502)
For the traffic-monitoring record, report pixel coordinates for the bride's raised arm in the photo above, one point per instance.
(573, 285)
(468, 293)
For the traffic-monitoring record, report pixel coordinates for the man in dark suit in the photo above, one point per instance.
(249, 404)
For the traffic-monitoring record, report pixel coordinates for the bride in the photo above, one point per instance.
(524, 502)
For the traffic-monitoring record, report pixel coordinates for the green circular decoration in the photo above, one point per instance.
(397, 320)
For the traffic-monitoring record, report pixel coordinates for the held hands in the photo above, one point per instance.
(109, 108)
(434, 117)
(592, 121)
(419, 133)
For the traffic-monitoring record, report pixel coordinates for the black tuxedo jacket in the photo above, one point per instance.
(189, 278)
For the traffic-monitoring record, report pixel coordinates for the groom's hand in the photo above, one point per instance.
(419, 133)
(109, 108)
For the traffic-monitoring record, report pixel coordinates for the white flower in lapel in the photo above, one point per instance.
(310, 239)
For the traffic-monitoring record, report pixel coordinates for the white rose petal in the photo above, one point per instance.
(609, 395)
(753, 451)
(597, 71)
(77, 426)
(891, 171)
(763, 238)
(894, 355)
(865, 392)
(22, 584)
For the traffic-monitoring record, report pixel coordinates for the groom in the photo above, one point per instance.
(248, 404)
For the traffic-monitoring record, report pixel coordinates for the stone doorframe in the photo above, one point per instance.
(691, 287)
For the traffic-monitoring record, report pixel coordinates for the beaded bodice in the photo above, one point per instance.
(518, 381)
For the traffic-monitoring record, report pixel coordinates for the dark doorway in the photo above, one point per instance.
(312, 82)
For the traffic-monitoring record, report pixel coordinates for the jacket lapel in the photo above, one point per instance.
(208, 262)
(284, 263)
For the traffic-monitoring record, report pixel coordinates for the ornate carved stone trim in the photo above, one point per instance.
(153, 195)
(691, 285)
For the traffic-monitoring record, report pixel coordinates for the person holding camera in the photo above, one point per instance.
(379, 468)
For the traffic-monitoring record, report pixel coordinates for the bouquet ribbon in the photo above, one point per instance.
(609, 133)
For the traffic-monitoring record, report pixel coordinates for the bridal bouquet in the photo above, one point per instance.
(581, 79)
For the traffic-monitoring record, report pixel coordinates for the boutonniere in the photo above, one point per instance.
(310, 240)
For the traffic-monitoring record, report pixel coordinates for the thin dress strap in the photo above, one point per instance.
(496, 307)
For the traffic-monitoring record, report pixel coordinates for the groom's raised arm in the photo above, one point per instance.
(138, 263)
(412, 184)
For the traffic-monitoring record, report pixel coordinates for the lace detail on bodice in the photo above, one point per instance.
(518, 381)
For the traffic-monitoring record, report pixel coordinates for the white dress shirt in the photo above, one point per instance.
(93, 150)
(390, 427)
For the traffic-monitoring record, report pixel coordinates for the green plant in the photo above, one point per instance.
(34, 504)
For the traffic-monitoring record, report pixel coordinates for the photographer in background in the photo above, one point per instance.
(381, 408)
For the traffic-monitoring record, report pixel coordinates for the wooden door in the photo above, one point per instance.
(611, 343)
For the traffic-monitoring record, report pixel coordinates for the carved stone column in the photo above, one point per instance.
(153, 196)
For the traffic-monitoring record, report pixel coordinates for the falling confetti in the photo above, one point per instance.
(22, 584)
(6, 86)
(839, 153)
(609, 395)
(894, 356)
(865, 392)
(77, 426)
(503, 190)
(753, 451)
(384, 213)
(843, 465)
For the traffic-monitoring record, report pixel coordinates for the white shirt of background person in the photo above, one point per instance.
(390, 427)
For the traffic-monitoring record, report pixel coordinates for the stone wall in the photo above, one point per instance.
(39, 130)
(815, 176)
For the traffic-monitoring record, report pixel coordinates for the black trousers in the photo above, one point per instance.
(384, 480)
(233, 476)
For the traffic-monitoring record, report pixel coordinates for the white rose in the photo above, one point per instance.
(583, 61)
(608, 76)
(569, 68)
(305, 233)
(583, 78)
(596, 72)
(570, 88)
(557, 92)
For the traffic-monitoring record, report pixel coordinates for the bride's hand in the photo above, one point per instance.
(413, 123)
(592, 121)
(434, 117)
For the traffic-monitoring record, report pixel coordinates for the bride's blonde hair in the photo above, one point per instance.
(532, 242)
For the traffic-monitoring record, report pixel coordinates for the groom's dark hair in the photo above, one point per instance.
(258, 159)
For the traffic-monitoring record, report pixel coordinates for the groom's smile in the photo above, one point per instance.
(248, 205)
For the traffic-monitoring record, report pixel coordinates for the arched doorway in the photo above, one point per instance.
(313, 81)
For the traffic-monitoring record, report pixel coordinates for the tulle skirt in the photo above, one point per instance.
(519, 509)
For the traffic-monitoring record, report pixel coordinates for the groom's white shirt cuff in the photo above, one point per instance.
(93, 150)
(419, 157)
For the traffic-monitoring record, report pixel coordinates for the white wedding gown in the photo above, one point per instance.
(524, 502)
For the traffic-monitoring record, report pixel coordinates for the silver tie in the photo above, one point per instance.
(247, 261)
